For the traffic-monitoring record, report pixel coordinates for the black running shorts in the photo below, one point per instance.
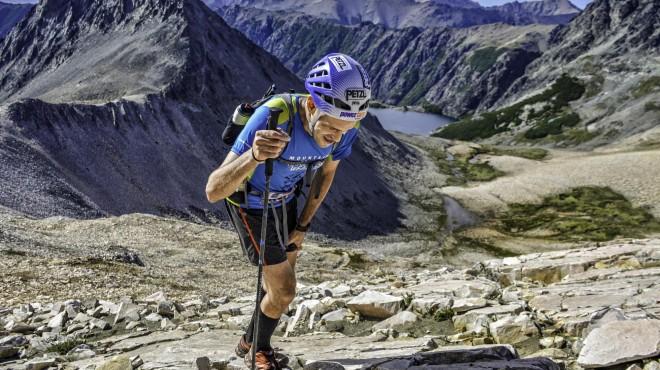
(247, 223)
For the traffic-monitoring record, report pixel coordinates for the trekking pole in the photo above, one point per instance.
(272, 125)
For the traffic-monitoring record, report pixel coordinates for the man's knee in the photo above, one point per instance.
(283, 293)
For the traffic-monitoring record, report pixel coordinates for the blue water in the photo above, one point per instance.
(410, 122)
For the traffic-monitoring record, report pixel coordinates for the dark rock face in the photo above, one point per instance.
(414, 13)
(10, 14)
(607, 29)
(450, 68)
(124, 107)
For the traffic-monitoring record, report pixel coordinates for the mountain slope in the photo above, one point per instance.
(123, 110)
(10, 14)
(415, 13)
(459, 70)
(541, 11)
(604, 70)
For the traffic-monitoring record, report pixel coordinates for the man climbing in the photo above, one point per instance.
(320, 134)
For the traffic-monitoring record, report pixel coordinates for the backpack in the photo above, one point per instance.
(244, 111)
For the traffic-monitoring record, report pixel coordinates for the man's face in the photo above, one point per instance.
(329, 130)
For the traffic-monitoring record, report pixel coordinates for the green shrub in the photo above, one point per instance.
(651, 106)
(647, 87)
(564, 90)
(553, 126)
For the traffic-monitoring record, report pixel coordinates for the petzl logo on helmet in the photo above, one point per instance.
(356, 94)
(340, 62)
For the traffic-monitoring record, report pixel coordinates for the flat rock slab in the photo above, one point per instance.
(349, 352)
(618, 342)
(130, 344)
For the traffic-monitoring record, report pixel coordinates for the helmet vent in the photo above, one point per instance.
(335, 102)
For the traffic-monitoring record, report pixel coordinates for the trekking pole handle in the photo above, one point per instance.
(272, 125)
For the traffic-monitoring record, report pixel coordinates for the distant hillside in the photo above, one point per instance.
(417, 13)
(10, 14)
(605, 66)
(459, 70)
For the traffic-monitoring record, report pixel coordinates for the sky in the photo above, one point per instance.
(579, 3)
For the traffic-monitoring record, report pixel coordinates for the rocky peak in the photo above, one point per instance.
(619, 26)
(138, 46)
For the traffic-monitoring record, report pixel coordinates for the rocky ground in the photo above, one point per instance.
(177, 296)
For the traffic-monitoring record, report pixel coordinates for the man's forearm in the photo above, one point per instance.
(229, 176)
(319, 189)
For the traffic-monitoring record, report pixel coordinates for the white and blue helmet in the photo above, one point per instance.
(339, 87)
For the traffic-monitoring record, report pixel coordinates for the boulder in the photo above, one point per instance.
(166, 309)
(428, 306)
(156, 298)
(58, 320)
(116, 363)
(397, 321)
(618, 342)
(552, 342)
(468, 321)
(467, 304)
(81, 352)
(375, 304)
(128, 312)
(8, 352)
(40, 364)
(514, 329)
(99, 323)
(335, 320)
(19, 327)
(153, 317)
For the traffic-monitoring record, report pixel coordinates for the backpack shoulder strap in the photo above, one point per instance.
(283, 102)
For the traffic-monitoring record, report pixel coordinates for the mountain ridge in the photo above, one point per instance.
(411, 66)
(415, 13)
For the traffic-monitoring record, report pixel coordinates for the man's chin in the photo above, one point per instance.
(324, 143)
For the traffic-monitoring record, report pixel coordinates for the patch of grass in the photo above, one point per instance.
(564, 90)
(464, 243)
(461, 170)
(594, 86)
(443, 314)
(431, 108)
(554, 126)
(483, 59)
(536, 154)
(481, 172)
(64, 347)
(575, 136)
(651, 107)
(584, 213)
(647, 87)
(13, 252)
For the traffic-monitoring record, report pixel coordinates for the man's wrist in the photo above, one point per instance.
(254, 156)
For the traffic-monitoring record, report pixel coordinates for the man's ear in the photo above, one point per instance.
(310, 104)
